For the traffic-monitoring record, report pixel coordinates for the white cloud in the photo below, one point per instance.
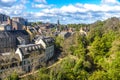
(109, 1)
(15, 10)
(85, 12)
(7, 1)
(72, 13)
(24, 1)
(41, 6)
(79, 13)
(69, 8)
(40, 1)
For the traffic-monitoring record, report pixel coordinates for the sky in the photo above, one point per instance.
(67, 11)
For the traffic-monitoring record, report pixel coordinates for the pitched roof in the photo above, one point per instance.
(27, 49)
(12, 33)
(47, 40)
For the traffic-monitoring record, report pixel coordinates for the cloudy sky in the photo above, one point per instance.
(67, 11)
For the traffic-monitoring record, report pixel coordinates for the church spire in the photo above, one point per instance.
(58, 25)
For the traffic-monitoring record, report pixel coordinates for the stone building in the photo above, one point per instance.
(48, 45)
(20, 20)
(27, 57)
(3, 18)
(4, 27)
(33, 31)
(32, 56)
(64, 34)
(16, 26)
(9, 40)
(8, 64)
(19, 23)
(5, 22)
(83, 31)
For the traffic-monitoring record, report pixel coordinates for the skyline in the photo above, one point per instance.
(67, 11)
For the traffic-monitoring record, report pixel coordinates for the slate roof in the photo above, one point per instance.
(26, 49)
(48, 40)
(12, 33)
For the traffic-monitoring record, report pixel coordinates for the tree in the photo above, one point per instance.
(59, 41)
(99, 75)
(113, 66)
(100, 47)
(13, 76)
(43, 74)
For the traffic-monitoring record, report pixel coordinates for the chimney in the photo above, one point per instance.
(9, 21)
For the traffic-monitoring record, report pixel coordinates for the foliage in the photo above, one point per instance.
(59, 41)
(92, 57)
(35, 23)
(99, 75)
(100, 47)
(13, 76)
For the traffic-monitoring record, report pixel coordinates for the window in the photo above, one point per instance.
(33, 47)
(39, 46)
(23, 62)
(29, 48)
(36, 47)
(25, 49)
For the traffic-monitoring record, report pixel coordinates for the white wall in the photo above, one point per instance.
(19, 53)
(40, 41)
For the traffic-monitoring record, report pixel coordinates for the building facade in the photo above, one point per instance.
(27, 57)
(48, 45)
(9, 41)
(20, 20)
(3, 18)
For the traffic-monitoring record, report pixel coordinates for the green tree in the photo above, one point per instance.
(13, 76)
(43, 74)
(59, 41)
(100, 47)
(99, 75)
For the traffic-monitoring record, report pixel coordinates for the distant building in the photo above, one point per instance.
(83, 32)
(4, 27)
(5, 22)
(19, 23)
(64, 34)
(16, 26)
(33, 31)
(3, 18)
(20, 20)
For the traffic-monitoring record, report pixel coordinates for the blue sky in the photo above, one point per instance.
(67, 2)
(67, 11)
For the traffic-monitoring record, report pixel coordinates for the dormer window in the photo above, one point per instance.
(29, 48)
(36, 47)
(39, 46)
(26, 49)
(33, 47)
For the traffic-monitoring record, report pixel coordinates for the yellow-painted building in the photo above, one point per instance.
(32, 32)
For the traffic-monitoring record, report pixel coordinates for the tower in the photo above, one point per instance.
(58, 25)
